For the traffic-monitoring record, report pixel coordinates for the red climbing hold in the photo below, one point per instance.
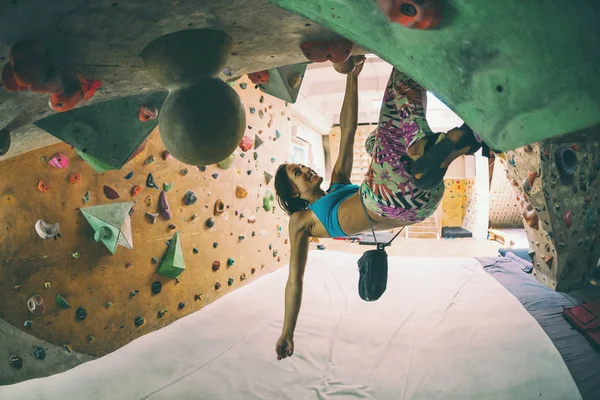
(246, 144)
(531, 175)
(147, 113)
(567, 218)
(336, 51)
(110, 193)
(259, 77)
(414, 14)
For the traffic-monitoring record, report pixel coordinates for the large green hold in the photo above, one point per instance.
(284, 82)
(515, 71)
(111, 224)
(106, 135)
(172, 263)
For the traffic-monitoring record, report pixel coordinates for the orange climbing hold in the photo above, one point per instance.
(259, 77)
(414, 14)
(136, 190)
(42, 187)
(75, 178)
(147, 113)
(30, 67)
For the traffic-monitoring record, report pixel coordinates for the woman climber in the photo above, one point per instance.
(403, 186)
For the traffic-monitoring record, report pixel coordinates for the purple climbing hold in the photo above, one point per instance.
(163, 205)
(216, 265)
(110, 193)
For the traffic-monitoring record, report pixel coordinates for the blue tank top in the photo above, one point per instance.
(326, 208)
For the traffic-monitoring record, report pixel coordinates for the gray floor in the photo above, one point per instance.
(17, 342)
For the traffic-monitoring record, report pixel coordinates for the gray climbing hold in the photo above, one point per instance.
(16, 362)
(81, 313)
(230, 281)
(151, 217)
(189, 198)
(39, 353)
(566, 163)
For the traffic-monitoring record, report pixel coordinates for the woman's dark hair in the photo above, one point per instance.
(284, 189)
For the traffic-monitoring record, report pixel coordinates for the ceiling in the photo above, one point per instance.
(322, 94)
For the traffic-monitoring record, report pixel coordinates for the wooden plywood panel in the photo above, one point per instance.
(453, 202)
(97, 277)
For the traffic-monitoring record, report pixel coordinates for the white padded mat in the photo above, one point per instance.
(444, 329)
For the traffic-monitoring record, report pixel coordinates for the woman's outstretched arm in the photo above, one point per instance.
(348, 125)
(299, 239)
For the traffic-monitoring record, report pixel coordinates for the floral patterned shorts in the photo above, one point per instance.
(388, 188)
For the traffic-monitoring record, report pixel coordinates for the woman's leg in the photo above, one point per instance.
(388, 188)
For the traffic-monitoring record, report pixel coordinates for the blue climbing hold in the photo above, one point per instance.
(129, 175)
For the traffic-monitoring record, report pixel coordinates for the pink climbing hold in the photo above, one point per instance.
(147, 113)
(246, 144)
(110, 193)
(59, 160)
(567, 218)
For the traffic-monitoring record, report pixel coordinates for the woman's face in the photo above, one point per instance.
(304, 178)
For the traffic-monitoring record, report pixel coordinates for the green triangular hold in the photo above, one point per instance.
(268, 177)
(61, 302)
(111, 224)
(105, 133)
(172, 263)
(281, 80)
(226, 163)
(96, 165)
(257, 141)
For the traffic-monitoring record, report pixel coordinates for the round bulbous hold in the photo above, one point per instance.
(176, 58)
(202, 123)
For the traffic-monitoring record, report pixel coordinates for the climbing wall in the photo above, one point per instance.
(361, 159)
(559, 196)
(452, 203)
(108, 293)
(470, 200)
(505, 210)
(517, 72)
